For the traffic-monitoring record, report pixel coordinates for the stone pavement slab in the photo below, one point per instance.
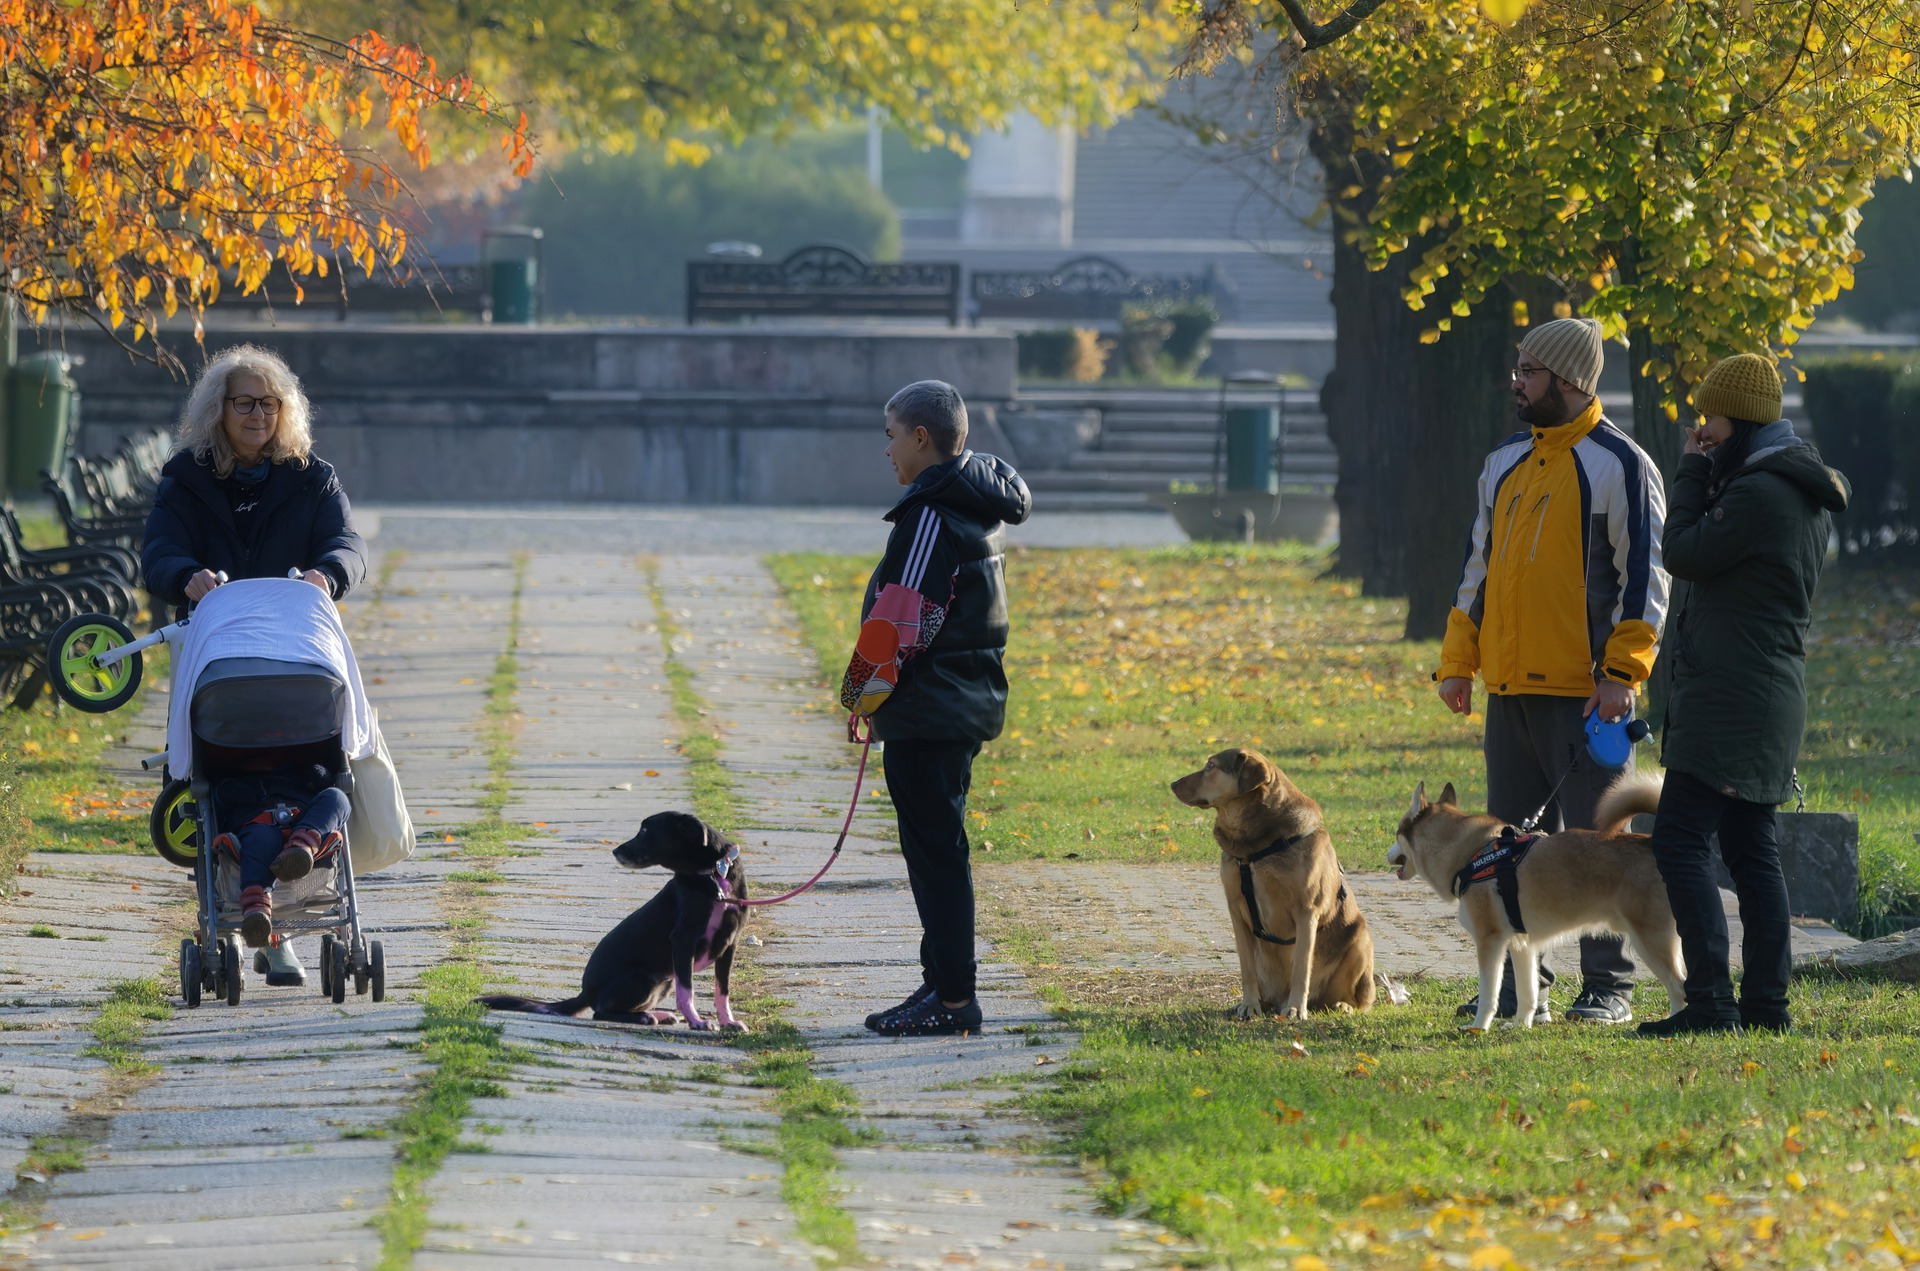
(958, 1173)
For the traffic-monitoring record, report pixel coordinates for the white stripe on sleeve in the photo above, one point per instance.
(922, 550)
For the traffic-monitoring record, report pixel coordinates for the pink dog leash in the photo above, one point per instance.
(866, 748)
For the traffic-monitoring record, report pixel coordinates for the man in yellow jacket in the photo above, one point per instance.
(1559, 610)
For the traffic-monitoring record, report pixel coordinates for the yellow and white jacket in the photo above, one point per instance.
(1563, 580)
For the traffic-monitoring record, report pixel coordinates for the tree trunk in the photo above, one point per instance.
(1462, 405)
(1365, 396)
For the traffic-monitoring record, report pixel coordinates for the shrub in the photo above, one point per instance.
(1063, 353)
(1904, 438)
(1192, 335)
(1143, 338)
(1849, 402)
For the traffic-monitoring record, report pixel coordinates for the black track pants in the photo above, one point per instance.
(928, 782)
(1530, 741)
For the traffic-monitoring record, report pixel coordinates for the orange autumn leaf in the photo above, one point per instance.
(156, 152)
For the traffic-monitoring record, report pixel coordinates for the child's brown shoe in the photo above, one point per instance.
(297, 857)
(256, 917)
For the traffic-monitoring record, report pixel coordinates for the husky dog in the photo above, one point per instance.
(1567, 884)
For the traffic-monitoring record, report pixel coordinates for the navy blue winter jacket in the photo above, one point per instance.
(948, 544)
(303, 522)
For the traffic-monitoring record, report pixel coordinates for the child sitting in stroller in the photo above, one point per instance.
(278, 818)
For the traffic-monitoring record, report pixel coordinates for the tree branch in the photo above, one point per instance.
(1316, 35)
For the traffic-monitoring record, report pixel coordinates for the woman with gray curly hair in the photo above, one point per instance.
(245, 495)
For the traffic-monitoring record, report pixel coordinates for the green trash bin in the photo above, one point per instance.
(42, 404)
(1253, 435)
(512, 284)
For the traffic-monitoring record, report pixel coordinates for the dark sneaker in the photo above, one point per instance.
(1684, 1022)
(1601, 1008)
(929, 1018)
(1542, 1013)
(914, 998)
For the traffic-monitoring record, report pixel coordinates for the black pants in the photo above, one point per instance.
(928, 783)
(1530, 741)
(1691, 811)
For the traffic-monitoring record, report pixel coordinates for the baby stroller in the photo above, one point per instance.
(270, 670)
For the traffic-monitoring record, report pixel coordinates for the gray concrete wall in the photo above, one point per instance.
(654, 415)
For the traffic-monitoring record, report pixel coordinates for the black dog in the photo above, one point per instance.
(694, 921)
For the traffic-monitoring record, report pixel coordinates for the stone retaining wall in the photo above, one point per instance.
(775, 415)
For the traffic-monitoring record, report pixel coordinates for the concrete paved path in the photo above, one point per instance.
(252, 1140)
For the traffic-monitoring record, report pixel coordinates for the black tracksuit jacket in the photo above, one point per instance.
(948, 544)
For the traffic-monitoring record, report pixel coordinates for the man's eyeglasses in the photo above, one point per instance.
(245, 405)
(1527, 372)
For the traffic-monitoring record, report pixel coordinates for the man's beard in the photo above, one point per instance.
(1544, 412)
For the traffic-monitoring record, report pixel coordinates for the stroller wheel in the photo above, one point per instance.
(362, 975)
(78, 681)
(174, 826)
(377, 961)
(230, 971)
(190, 972)
(326, 964)
(338, 959)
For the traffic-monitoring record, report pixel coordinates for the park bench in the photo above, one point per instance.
(430, 289)
(822, 281)
(1084, 289)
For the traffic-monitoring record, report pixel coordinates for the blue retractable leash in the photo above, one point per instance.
(1609, 744)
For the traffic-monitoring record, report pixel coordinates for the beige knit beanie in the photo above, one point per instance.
(1743, 387)
(1570, 348)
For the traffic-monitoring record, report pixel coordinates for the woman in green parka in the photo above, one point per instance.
(1748, 521)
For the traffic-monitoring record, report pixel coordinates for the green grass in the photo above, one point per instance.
(466, 1060)
(1128, 667)
(1862, 748)
(55, 794)
(492, 834)
(123, 1020)
(711, 784)
(1392, 1139)
(813, 1125)
(41, 931)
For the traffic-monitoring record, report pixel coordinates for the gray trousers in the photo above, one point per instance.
(1530, 741)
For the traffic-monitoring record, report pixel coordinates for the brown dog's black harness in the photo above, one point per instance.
(1246, 884)
(1499, 860)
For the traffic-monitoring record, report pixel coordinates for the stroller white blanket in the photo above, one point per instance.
(279, 618)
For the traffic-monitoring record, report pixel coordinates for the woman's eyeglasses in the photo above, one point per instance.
(245, 405)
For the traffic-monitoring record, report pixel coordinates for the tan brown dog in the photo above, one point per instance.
(1572, 882)
(1301, 939)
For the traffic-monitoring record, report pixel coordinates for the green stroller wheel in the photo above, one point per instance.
(174, 826)
(77, 678)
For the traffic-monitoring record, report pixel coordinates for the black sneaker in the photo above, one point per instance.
(1686, 1021)
(929, 1018)
(914, 998)
(1600, 1006)
(1542, 1013)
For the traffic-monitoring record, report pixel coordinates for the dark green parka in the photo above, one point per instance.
(1745, 566)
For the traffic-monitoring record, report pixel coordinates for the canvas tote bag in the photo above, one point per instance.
(379, 830)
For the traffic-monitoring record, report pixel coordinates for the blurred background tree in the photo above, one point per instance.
(1689, 174)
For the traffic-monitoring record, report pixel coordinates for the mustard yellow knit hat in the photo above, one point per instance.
(1742, 387)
